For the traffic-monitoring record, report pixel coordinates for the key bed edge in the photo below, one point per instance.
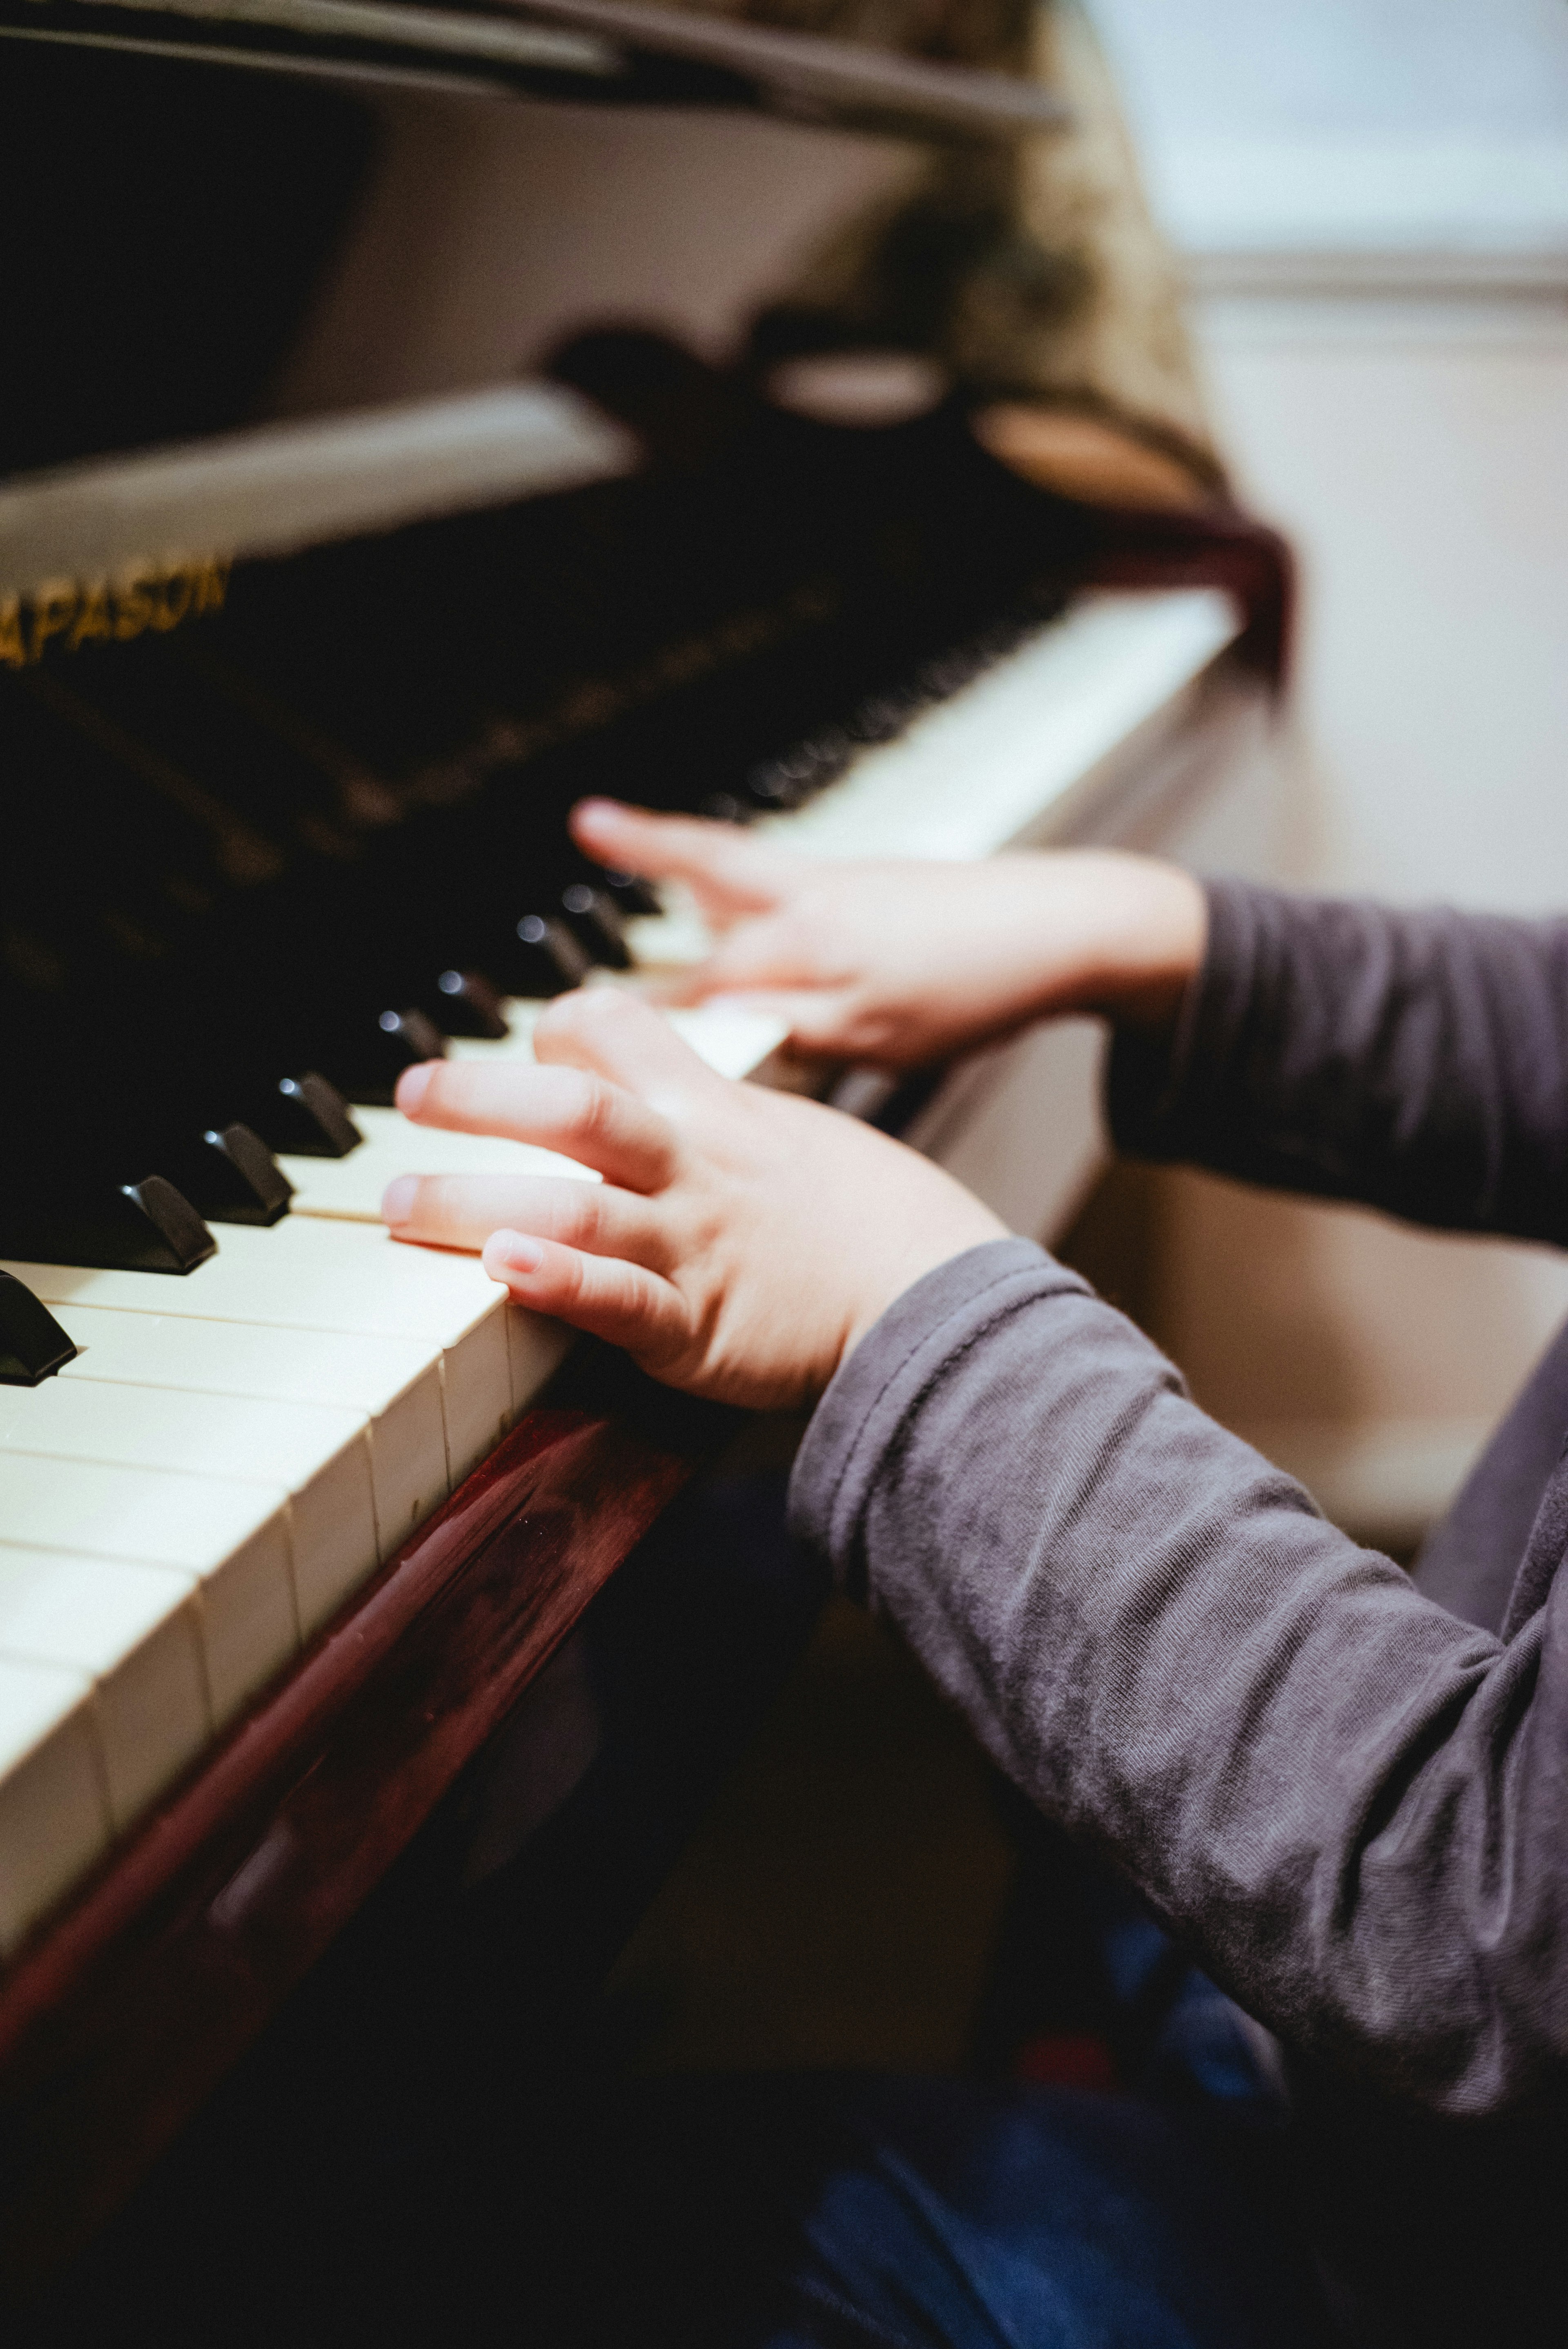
(220, 1902)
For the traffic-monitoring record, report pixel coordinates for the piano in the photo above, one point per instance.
(292, 709)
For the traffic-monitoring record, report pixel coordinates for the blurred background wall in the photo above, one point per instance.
(1372, 196)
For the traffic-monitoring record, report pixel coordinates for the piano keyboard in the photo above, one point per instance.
(231, 1453)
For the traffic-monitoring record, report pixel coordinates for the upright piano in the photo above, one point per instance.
(297, 682)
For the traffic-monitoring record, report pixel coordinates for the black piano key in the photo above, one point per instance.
(595, 919)
(116, 1102)
(543, 958)
(380, 1053)
(464, 1003)
(632, 893)
(305, 1116)
(33, 1346)
(230, 1176)
(144, 1226)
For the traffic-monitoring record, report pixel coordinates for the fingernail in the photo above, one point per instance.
(511, 1252)
(595, 808)
(413, 1085)
(398, 1199)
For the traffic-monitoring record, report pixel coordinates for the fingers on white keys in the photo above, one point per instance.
(606, 1295)
(768, 952)
(614, 1034)
(461, 1211)
(570, 1108)
(729, 870)
(829, 1021)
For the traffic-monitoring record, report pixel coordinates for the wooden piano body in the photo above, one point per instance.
(190, 1819)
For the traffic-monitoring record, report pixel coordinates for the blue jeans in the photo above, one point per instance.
(832, 2212)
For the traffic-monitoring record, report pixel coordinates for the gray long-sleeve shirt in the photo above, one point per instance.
(1349, 1803)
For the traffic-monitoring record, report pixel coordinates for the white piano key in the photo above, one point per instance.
(520, 1012)
(1003, 760)
(730, 1038)
(987, 766)
(536, 1348)
(230, 1540)
(356, 1276)
(310, 1273)
(395, 1382)
(352, 1188)
(135, 1632)
(319, 1454)
(727, 1036)
(54, 1810)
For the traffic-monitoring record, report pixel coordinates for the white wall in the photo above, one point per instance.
(1412, 440)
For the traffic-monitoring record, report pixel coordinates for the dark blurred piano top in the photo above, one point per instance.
(178, 178)
(608, 52)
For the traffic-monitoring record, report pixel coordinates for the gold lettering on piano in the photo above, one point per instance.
(92, 614)
(210, 576)
(64, 615)
(131, 605)
(172, 599)
(54, 609)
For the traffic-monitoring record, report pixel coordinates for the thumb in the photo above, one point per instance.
(613, 1033)
(822, 1020)
(765, 951)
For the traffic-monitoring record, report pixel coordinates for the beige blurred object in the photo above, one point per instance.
(1084, 457)
(866, 388)
(1059, 449)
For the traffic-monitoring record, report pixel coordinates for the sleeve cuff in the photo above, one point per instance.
(1158, 1087)
(882, 1381)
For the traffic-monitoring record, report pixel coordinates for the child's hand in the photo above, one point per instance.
(741, 1242)
(902, 964)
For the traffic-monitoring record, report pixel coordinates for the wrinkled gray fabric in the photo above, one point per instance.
(1414, 1061)
(1348, 1801)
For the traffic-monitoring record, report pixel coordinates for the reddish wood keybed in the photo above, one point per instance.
(134, 2003)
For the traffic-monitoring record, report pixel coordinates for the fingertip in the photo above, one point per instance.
(412, 1086)
(509, 1256)
(580, 1011)
(586, 1013)
(397, 1201)
(592, 816)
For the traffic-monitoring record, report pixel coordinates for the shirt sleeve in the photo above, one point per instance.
(1415, 1061)
(1346, 1801)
